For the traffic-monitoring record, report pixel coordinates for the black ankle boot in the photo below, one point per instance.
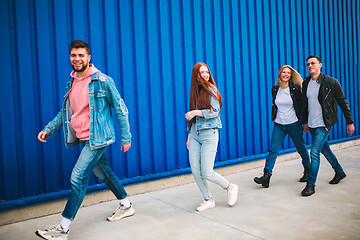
(337, 178)
(308, 190)
(304, 178)
(264, 180)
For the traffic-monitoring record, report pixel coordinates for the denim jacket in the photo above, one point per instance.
(211, 118)
(102, 96)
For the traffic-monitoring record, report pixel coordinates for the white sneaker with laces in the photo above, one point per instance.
(54, 232)
(232, 194)
(205, 205)
(121, 212)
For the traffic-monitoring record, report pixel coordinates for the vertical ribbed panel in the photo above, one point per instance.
(149, 48)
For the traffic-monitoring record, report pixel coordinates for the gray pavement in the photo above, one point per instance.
(278, 212)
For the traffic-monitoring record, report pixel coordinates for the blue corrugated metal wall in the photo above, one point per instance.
(149, 48)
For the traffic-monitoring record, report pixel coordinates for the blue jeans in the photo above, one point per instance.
(202, 152)
(88, 161)
(279, 132)
(320, 144)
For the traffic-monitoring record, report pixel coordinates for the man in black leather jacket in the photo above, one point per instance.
(321, 94)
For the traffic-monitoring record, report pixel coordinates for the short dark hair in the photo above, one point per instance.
(312, 56)
(79, 44)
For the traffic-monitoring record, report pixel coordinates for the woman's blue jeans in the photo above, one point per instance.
(279, 132)
(202, 152)
(88, 161)
(320, 144)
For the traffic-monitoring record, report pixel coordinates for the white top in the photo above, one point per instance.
(315, 112)
(285, 108)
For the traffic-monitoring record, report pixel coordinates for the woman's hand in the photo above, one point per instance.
(306, 128)
(187, 142)
(190, 115)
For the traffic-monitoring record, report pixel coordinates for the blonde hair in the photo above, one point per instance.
(295, 76)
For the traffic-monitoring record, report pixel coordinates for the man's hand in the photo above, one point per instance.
(306, 128)
(41, 136)
(125, 148)
(350, 128)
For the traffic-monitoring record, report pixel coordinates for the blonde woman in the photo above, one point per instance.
(286, 109)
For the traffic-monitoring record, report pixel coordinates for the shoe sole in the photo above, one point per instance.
(129, 214)
(206, 209)
(232, 204)
(38, 234)
(307, 195)
(41, 236)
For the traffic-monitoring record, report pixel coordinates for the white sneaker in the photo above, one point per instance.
(54, 232)
(232, 194)
(121, 212)
(205, 205)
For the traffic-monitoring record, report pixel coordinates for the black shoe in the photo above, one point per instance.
(337, 178)
(308, 190)
(264, 180)
(304, 178)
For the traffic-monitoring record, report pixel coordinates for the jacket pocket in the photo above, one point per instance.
(99, 99)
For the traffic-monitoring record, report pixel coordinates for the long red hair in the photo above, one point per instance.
(201, 90)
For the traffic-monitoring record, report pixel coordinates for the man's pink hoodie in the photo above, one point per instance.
(79, 101)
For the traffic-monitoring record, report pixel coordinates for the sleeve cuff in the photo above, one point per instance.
(125, 142)
(205, 113)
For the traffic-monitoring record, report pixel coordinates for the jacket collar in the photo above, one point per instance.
(319, 80)
(291, 85)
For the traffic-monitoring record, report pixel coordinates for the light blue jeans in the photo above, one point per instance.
(320, 144)
(202, 151)
(88, 161)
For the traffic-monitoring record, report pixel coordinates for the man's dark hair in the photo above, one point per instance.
(79, 44)
(312, 56)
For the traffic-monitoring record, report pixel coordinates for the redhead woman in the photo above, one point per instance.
(286, 108)
(203, 125)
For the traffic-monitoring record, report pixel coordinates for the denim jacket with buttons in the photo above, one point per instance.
(102, 96)
(211, 118)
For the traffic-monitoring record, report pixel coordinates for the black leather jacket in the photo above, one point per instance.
(330, 93)
(295, 93)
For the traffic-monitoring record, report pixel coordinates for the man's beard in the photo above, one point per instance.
(84, 66)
